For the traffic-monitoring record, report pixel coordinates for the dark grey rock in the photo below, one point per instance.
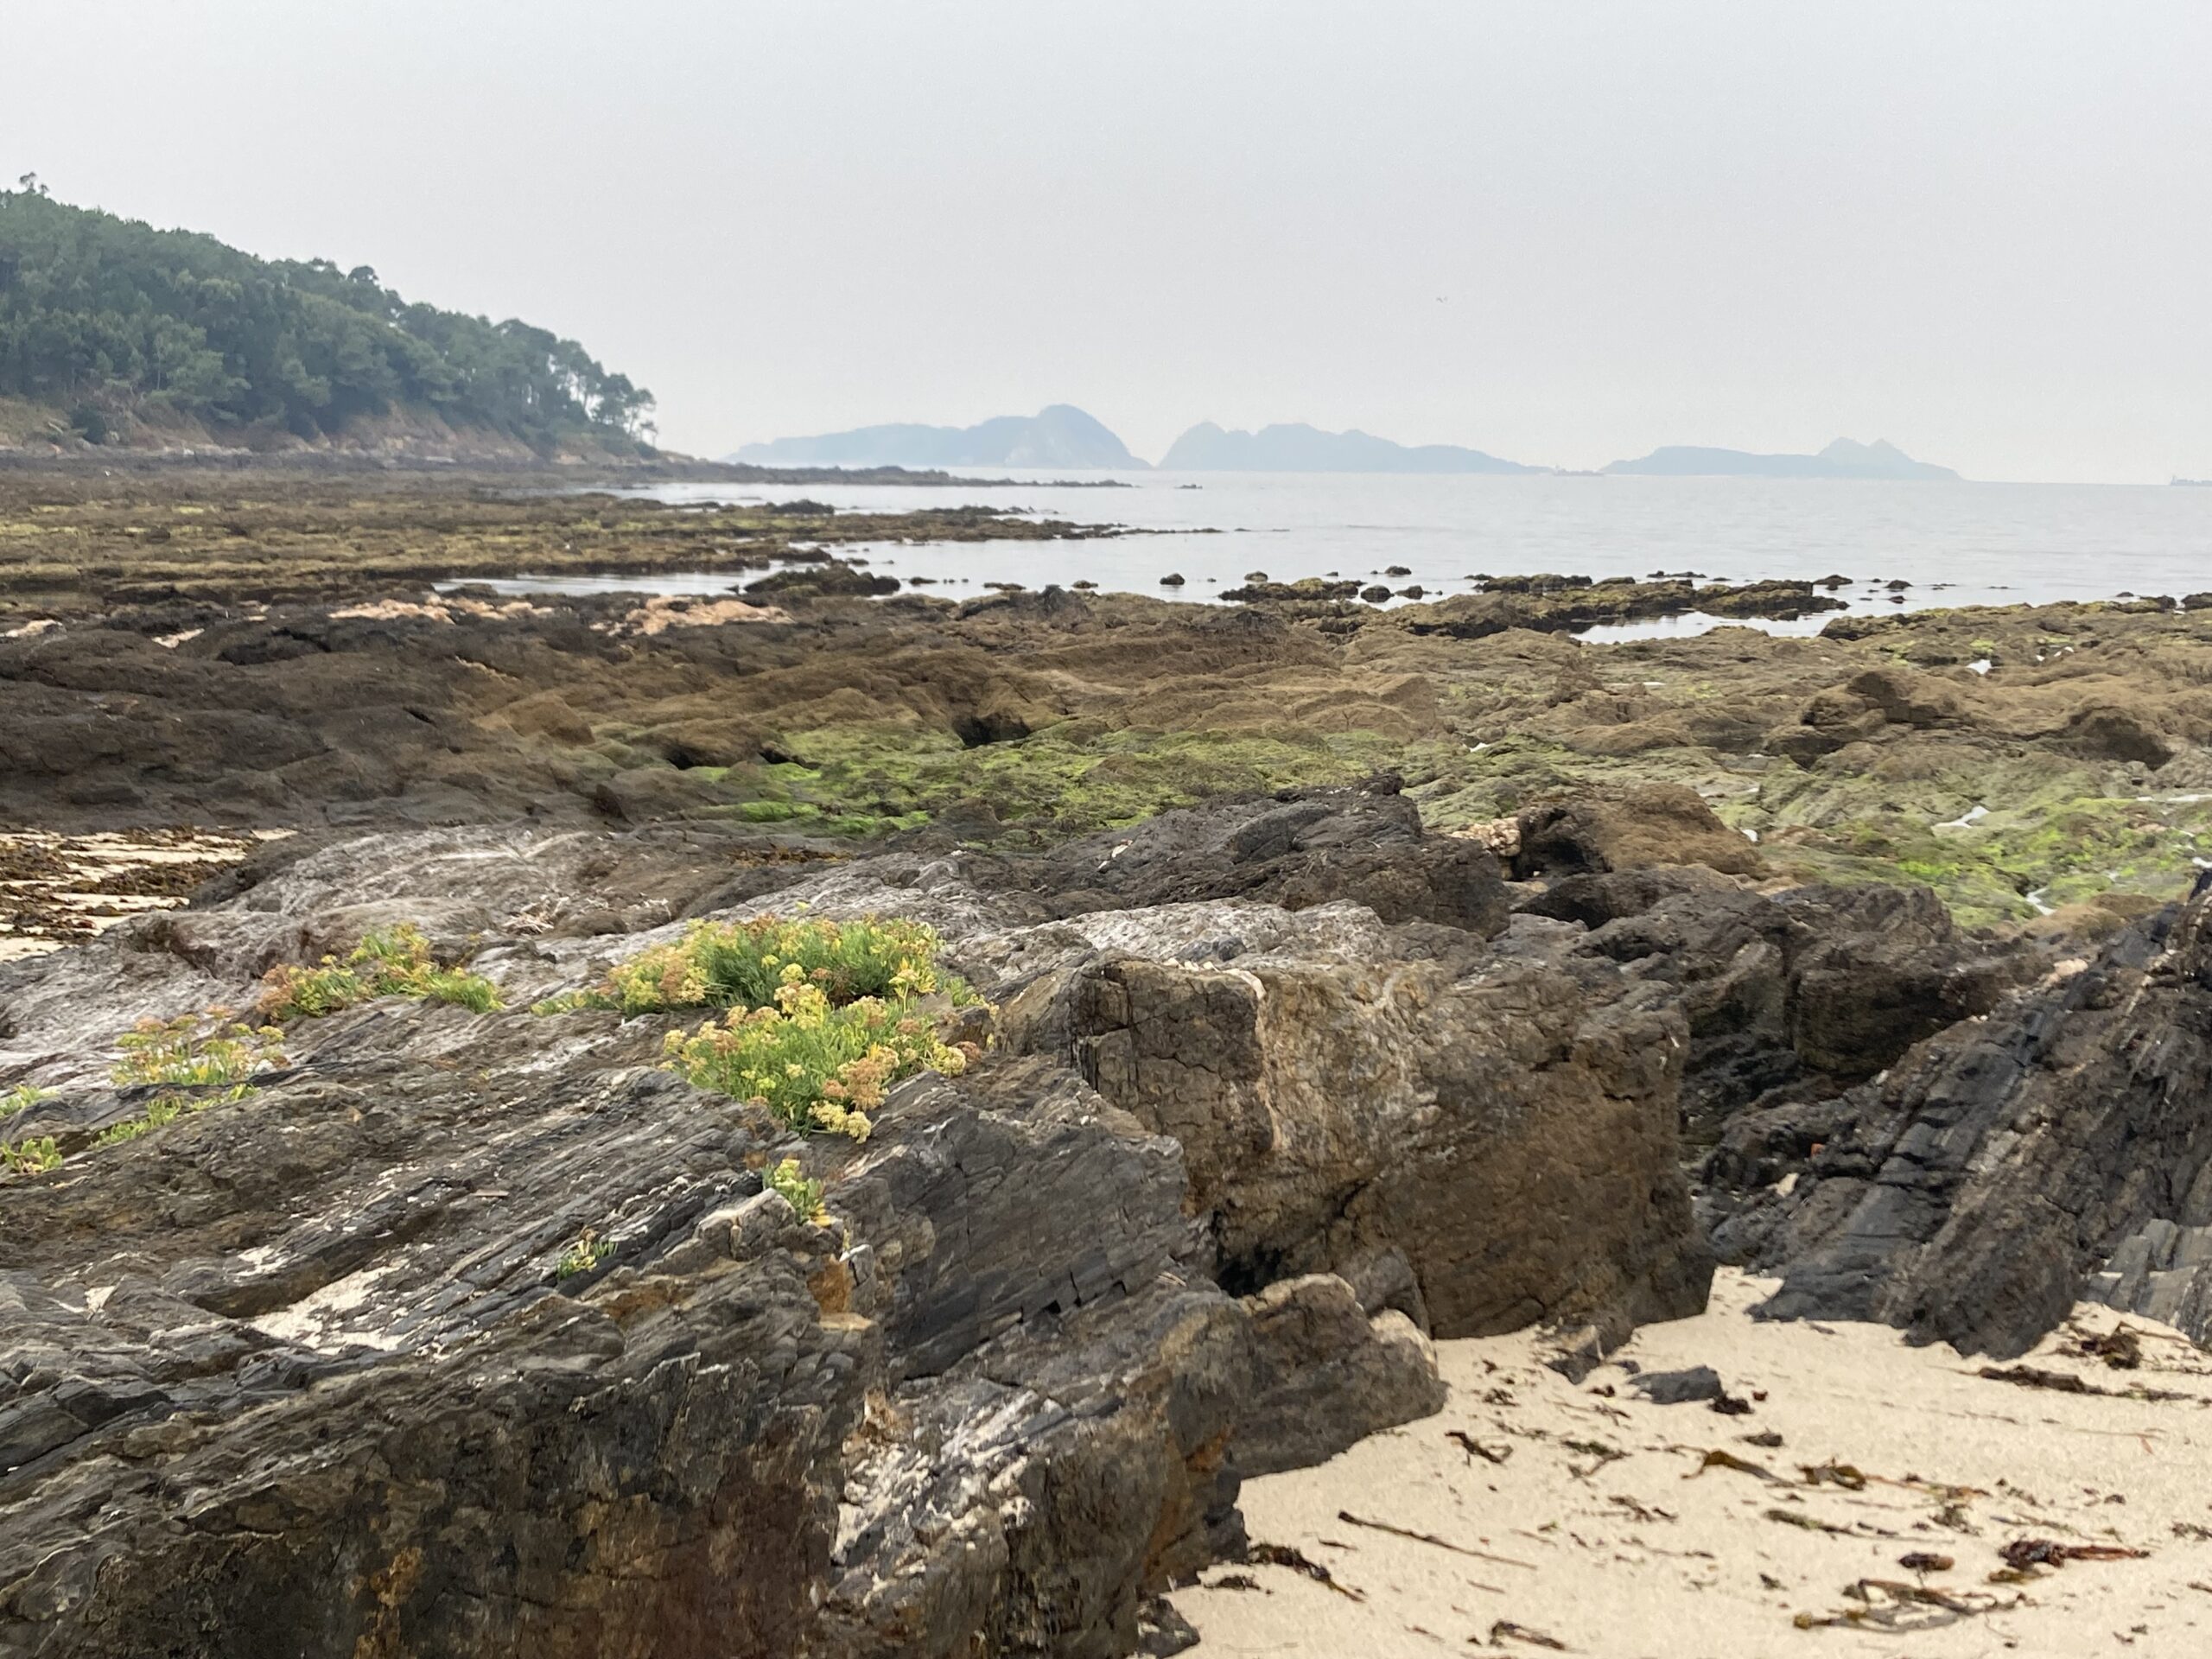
(1699, 1383)
(302, 1373)
(1363, 845)
(1326, 1375)
(2013, 1162)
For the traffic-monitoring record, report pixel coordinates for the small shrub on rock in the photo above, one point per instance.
(814, 1065)
(160, 1110)
(21, 1098)
(587, 1252)
(30, 1157)
(214, 1055)
(192, 1051)
(790, 1180)
(746, 964)
(391, 961)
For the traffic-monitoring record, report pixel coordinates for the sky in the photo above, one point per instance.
(1561, 232)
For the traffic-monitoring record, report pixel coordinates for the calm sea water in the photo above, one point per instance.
(1957, 543)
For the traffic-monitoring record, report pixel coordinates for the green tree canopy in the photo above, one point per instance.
(94, 307)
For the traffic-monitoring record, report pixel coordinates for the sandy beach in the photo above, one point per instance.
(1586, 1519)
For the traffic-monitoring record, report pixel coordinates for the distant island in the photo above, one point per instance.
(1064, 436)
(114, 333)
(1300, 448)
(1060, 435)
(1842, 459)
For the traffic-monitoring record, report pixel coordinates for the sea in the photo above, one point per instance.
(1948, 543)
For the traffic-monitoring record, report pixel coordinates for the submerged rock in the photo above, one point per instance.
(1257, 590)
(829, 578)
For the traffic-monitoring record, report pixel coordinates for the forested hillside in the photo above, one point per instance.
(113, 324)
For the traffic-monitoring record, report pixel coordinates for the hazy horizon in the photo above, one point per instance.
(1159, 460)
(1559, 235)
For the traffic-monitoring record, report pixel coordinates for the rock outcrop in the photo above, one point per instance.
(1364, 846)
(479, 1332)
(1629, 829)
(322, 1371)
(1502, 1117)
(1786, 996)
(2061, 1144)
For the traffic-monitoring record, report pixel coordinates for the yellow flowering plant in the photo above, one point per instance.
(216, 1056)
(815, 1066)
(743, 964)
(391, 961)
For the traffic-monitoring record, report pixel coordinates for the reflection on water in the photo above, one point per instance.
(714, 583)
(1690, 623)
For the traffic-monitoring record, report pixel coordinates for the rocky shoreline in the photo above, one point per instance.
(83, 544)
(1351, 980)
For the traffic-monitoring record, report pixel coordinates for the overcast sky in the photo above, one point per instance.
(1563, 233)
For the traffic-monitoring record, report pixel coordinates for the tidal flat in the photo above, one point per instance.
(275, 649)
(78, 541)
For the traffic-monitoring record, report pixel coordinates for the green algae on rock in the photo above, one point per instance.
(1067, 779)
(2016, 759)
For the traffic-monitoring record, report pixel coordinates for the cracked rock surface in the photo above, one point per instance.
(314, 1372)
(304, 1373)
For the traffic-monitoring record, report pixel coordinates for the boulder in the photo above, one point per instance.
(2114, 732)
(1901, 696)
(1505, 1121)
(1630, 829)
(1691, 1387)
(1325, 1374)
